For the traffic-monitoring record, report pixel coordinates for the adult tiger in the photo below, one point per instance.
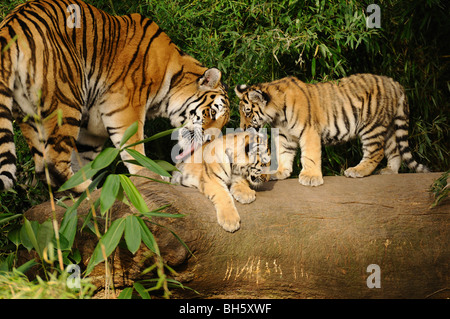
(375, 108)
(225, 168)
(102, 73)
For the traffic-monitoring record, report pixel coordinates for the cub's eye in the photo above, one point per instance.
(213, 113)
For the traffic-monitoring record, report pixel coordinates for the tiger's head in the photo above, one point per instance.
(252, 106)
(205, 109)
(254, 164)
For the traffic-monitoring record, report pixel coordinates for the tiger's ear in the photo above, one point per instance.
(240, 90)
(259, 97)
(210, 79)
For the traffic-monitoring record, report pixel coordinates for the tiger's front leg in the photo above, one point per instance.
(286, 150)
(311, 152)
(241, 191)
(227, 214)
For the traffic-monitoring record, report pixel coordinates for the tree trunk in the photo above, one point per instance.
(297, 241)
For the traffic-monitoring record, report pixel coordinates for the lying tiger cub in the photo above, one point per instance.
(225, 168)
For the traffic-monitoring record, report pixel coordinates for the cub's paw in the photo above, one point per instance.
(387, 171)
(243, 195)
(281, 174)
(353, 172)
(309, 179)
(176, 177)
(229, 220)
(165, 178)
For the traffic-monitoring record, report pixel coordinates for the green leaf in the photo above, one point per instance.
(129, 133)
(85, 173)
(126, 293)
(14, 236)
(109, 192)
(133, 194)
(132, 233)
(110, 240)
(155, 137)
(148, 163)
(83, 196)
(30, 241)
(157, 214)
(44, 235)
(7, 217)
(166, 165)
(27, 266)
(313, 68)
(147, 237)
(105, 158)
(141, 291)
(68, 228)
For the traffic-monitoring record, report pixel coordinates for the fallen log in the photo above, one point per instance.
(374, 237)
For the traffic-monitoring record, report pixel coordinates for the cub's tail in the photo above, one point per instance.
(401, 133)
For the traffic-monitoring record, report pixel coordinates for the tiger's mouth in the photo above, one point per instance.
(187, 152)
(190, 140)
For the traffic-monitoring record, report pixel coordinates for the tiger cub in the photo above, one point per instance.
(101, 73)
(372, 107)
(225, 168)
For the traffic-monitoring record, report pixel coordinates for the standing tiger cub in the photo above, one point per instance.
(102, 73)
(374, 108)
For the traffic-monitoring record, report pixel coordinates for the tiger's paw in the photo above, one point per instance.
(353, 172)
(309, 179)
(243, 195)
(229, 220)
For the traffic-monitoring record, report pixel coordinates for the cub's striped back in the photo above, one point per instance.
(372, 107)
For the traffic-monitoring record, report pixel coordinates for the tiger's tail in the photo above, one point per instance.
(401, 133)
(7, 146)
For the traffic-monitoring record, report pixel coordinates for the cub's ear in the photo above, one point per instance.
(210, 79)
(259, 97)
(240, 90)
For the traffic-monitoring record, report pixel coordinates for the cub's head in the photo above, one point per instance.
(254, 163)
(252, 106)
(204, 110)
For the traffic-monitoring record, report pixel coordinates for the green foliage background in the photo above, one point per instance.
(258, 41)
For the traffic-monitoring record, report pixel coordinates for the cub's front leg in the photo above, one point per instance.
(227, 214)
(241, 191)
(285, 157)
(311, 152)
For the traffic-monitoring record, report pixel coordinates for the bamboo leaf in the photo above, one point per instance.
(105, 158)
(126, 293)
(130, 131)
(68, 228)
(147, 237)
(148, 163)
(109, 193)
(132, 233)
(44, 235)
(110, 240)
(31, 236)
(154, 137)
(7, 217)
(85, 173)
(133, 194)
(141, 291)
